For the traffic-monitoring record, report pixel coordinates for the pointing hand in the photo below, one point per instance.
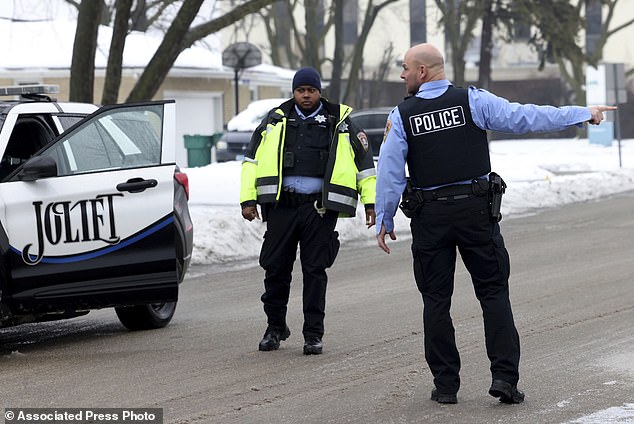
(597, 113)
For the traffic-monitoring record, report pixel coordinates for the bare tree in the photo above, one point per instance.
(172, 45)
(486, 44)
(82, 68)
(179, 36)
(305, 48)
(115, 55)
(556, 29)
(459, 18)
(556, 25)
(381, 73)
(357, 56)
(147, 13)
(277, 18)
(314, 33)
(606, 33)
(334, 90)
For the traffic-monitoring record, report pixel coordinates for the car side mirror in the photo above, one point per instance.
(38, 167)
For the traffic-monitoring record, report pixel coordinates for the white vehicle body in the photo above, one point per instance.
(91, 212)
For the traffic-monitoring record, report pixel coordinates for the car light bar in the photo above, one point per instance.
(20, 90)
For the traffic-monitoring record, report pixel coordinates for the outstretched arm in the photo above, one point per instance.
(491, 112)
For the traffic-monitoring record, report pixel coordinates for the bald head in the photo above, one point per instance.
(430, 56)
(422, 63)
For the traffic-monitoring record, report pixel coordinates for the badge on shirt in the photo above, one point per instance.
(320, 118)
(363, 138)
(388, 127)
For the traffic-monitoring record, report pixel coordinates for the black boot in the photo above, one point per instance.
(272, 338)
(507, 392)
(443, 397)
(313, 345)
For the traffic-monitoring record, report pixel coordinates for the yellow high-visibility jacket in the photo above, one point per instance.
(350, 170)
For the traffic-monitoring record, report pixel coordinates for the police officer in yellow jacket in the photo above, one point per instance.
(306, 165)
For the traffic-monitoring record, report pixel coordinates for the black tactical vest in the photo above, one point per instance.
(306, 144)
(444, 144)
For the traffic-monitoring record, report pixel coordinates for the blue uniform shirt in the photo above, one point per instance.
(489, 112)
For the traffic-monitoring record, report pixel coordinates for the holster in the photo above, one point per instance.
(412, 200)
(497, 187)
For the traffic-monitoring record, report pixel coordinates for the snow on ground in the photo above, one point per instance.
(539, 174)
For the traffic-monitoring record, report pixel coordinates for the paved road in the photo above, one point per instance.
(572, 289)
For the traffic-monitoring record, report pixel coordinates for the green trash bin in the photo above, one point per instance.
(199, 149)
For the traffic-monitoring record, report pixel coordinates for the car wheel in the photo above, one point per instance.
(146, 317)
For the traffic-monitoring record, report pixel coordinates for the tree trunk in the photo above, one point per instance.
(334, 90)
(115, 55)
(82, 68)
(486, 46)
(459, 17)
(313, 33)
(139, 18)
(357, 58)
(166, 54)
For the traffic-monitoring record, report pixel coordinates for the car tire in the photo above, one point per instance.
(146, 317)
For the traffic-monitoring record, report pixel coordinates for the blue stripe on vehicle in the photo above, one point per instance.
(97, 253)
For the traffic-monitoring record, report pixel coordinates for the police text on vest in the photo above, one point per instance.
(437, 120)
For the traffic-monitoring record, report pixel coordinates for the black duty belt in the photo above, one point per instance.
(292, 200)
(452, 192)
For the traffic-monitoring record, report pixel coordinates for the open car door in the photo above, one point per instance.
(90, 219)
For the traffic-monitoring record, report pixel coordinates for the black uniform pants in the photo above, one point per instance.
(440, 227)
(318, 245)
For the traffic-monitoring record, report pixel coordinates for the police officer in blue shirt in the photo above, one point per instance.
(440, 133)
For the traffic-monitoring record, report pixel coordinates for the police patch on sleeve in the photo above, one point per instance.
(363, 138)
(388, 127)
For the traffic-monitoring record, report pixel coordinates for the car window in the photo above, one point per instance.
(361, 121)
(378, 120)
(30, 133)
(371, 120)
(68, 121)
(118, 139)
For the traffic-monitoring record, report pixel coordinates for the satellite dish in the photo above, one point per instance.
(241, 55)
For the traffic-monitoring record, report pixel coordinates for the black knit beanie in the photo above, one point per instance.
(307, 76)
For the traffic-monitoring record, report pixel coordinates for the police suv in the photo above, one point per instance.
(93, 210)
